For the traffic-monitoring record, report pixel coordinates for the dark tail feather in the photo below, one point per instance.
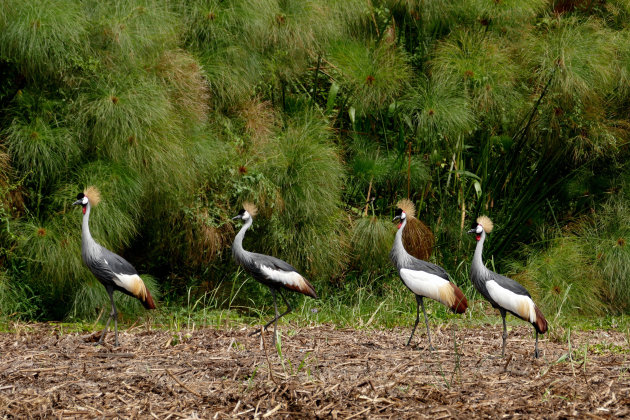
(541, 323)
(148, 302)
(309, 290)
(461, 304)
(303, 287)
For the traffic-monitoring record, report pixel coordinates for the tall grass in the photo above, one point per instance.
(133, 32)
(371, 239)
(564, 280)
(43, 150)
(437, 110)
(480, 64)
(128, 117)
(584, 271)
(387, 175)
(179, 110)
(185, 81)
(373, 74)
(233, 73)
(44, 38)
(304, 168)
(578, 53)
(608, 237)
(17, 300)
(288, 33)
(52, 256)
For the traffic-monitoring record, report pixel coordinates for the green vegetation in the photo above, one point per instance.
(325, 114)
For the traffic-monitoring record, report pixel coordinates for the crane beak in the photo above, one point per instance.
(474, 232)
(76, 203)
(238, 216)
(396, 218)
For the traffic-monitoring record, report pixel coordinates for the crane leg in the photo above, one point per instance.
(536, 352)
(504, 332)
(113, 314)
(426, 321)
(417, 318)
(277, 317)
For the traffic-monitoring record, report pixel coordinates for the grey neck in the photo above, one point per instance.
(398, 255)
(477, 263)
(86, 237)
(237, 246)
(88, 244)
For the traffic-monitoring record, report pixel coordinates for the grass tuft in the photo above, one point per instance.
(371, 240)
(305, 170)
(44, 38)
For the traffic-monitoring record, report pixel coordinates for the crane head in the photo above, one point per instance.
(483, 224)
(399, 215)
(243, 215)
(248, 211)
(82, 200)
(90, 195)
(477, 229)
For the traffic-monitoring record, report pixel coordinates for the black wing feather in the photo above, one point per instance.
(116, 263)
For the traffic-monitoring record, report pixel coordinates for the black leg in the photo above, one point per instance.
(426, 321)
(277, 317)
(275, 324)
(113, 314)
(536, 352)
(417, 318)
(504, 332)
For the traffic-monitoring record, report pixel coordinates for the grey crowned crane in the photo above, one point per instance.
(113, 271)
(503, 293)
(423, 278)
(270, 271)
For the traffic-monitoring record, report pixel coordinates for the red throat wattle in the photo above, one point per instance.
(83, 209)
(399, 225)
(478, 237)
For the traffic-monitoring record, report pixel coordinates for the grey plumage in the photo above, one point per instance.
(424, 279)
(111, 270)
(402, 259)
(506, 295)
(270, 271)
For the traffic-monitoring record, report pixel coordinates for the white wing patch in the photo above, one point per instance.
(521, 305)
(429, 285)
(131, 283)
(290, 278)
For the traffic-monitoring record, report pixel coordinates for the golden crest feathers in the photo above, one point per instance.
(485, 223)
(93, 195)
(407, 206)
(250, 208)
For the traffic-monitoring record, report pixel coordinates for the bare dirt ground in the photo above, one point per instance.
(323, 373)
